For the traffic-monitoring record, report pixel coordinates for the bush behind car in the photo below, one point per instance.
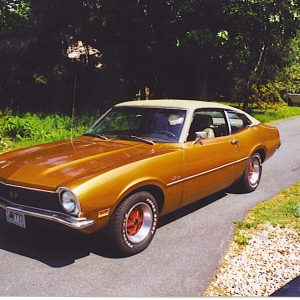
(20, 130)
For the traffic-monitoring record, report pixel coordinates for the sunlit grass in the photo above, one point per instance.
(271, 113)
(282, 210)
(275, 114)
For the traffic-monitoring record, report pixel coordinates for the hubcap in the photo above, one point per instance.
(139, 222)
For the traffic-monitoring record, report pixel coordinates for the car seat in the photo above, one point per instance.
(201, 122)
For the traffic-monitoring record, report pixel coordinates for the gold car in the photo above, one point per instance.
(139, 161)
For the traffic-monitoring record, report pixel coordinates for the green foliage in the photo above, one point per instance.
(4, 144)
(259, 57)
(289, 79)
(241, 239)
(264, 96)
(14, 14)
(201, 49)
(270, 112)
(245, 225)
(275, 112)
(29, 128)
(282, 210)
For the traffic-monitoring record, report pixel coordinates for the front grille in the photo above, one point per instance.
(30, 197)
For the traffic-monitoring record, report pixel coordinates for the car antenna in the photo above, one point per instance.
(73, 106)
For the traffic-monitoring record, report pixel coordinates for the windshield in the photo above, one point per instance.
(154, 124)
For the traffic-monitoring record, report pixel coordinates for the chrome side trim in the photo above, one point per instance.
(70, 221)
(206, 172)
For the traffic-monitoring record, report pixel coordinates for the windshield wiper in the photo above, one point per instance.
(101, 136)
(141, 139)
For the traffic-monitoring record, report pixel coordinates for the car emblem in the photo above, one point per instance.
(174, 178)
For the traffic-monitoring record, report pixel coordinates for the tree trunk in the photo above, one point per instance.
(202, 90)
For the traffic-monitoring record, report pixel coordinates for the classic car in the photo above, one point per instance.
(139, 161)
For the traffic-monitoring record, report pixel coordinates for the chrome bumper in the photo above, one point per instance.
(70, 221)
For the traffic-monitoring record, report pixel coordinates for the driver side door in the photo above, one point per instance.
(210, 164)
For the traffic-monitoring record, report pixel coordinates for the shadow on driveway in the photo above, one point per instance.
(58, 248)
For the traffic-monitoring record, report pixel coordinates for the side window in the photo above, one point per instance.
(238, 121)
(213, 122)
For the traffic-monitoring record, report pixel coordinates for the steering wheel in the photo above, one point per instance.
(167, 133)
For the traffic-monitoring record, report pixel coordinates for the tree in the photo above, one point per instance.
(289, 79)
(193, 49)
(14, 15)
(258, 32)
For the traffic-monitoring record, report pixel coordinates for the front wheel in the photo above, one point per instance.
(134, 222)
(252, 174)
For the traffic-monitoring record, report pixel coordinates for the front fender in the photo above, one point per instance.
(109, 189)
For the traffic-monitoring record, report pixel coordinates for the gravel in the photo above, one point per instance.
(269, 261)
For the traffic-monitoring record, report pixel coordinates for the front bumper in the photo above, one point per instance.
(70, 221)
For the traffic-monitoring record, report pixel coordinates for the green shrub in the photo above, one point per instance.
(29, 128)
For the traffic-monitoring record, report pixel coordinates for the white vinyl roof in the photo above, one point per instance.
(184, 104)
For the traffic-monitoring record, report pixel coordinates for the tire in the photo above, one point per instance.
(252, 174)
(134, 223)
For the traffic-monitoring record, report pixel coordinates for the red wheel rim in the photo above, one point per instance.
(134, 222)
(251, 169)
(139, 222)
(254, 171)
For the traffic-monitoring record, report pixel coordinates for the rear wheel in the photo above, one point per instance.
(134, 223)
(252, 174)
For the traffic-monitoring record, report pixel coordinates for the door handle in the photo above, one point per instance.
(234, 141)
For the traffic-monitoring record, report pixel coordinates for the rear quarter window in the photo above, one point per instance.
(238, 121)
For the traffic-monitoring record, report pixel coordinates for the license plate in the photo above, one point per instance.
(15, 218)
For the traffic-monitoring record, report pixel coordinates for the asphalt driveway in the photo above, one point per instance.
(181, 260)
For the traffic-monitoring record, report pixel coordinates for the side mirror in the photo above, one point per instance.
(200, 135)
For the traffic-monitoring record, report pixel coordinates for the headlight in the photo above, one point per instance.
(69, 202)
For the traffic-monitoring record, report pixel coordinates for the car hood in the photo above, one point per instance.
(51, 165)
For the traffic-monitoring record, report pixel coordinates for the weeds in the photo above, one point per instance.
(241, 238)
(245, 225)
(275, 113)
(4, 144)
(29, 129)
(282, 210)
